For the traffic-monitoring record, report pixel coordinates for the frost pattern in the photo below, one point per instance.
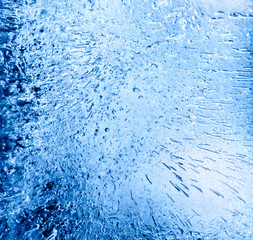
(126, 119)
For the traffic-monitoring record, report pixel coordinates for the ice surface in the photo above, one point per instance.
(126, 119)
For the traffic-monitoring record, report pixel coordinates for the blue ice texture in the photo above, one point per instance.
(126, 120)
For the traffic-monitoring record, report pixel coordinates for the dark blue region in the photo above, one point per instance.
(11, 112)
(27, 222)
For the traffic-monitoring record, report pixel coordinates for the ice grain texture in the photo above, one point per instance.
(125, 119)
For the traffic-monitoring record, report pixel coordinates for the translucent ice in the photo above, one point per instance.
(126, 119)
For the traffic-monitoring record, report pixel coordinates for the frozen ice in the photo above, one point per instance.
(125, 119)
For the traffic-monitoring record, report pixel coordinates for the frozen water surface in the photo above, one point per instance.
(126, 119)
